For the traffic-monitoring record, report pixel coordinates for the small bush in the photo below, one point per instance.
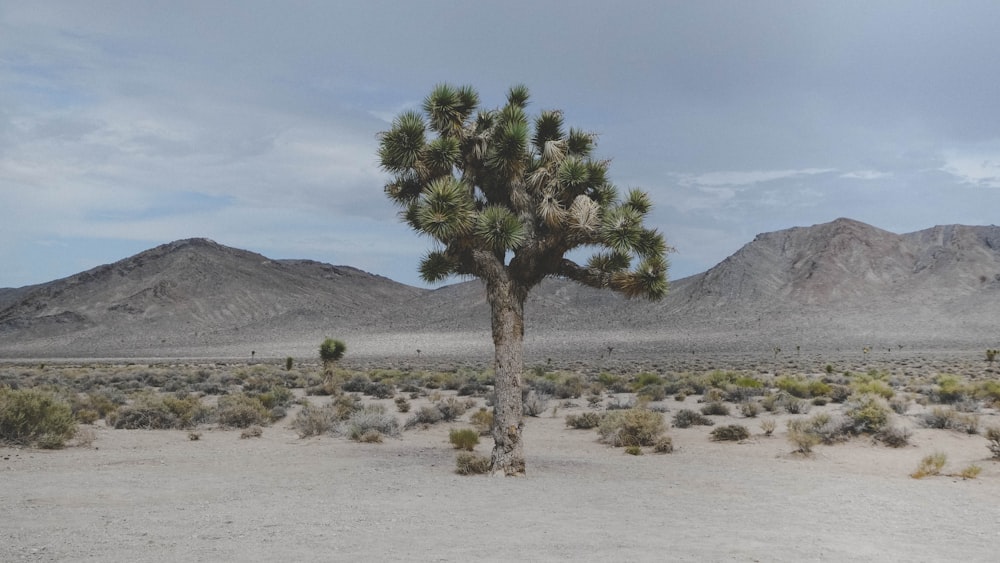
(899, 404)
(482, 420)
(425, 415)
(371, 418)
(873, 387)
(946, 418)
(535, 403)
(894, 436)
(314, 421)
(631, 427)
(252, 432)
(868, 414)
(663, 445)
(633, 450)
(800, 436)
(464, 438)
(993, 436)
(749, 409)
(241, 411)
(472, 464)
(583, 421)
(686, 418)
(715, 408)
(452, 407)
(794, 405)
(768, 425)
(402, 405)
(930, 465)
(730, 433)
(34, 418)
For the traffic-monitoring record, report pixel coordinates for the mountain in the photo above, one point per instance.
(833, 285)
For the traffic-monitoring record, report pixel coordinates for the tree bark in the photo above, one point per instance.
(507, 308)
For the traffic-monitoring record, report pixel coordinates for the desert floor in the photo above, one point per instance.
(156, 495)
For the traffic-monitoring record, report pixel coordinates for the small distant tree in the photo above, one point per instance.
(330, 352)
(505, 198)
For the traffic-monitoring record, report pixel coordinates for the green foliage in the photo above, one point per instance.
(631, 427)
(633, 450)
(867, 414)
(715, 408)
(951, 389)
(35, 418)
(150, 411)
(482, 420)
(492, 184)
(730, 433)
(289, 362)
(991, 354)
(464, 438)
(331, 351)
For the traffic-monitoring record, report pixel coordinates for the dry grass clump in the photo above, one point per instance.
(930, 465)
(768, 425)
(464, 438)
(800, 436)
(468, 463)
(30, 417)
(314, 421)
(663, 445)
(730, 433)
(631, 427)
(970, 472)
(716, 408)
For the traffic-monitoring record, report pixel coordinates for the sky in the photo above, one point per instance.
(125, 125)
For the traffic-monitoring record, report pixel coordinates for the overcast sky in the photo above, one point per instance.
(124, 125)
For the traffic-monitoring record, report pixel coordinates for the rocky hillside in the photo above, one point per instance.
(842, 283)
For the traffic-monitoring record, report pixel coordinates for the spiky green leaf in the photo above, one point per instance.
(499, 229)
(621, 229)
(401, 146)
(548, 127)
(518, 96)
(580, 143)
(639, 201)
(436, 266)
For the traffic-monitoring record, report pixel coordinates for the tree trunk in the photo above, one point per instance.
(507, 308)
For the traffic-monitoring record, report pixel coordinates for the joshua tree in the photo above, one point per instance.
(505, 198)
(331, 351)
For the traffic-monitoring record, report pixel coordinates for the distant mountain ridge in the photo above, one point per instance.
(826, 284)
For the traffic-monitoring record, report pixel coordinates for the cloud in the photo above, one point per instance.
(977, 167)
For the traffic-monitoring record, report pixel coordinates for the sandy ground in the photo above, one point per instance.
(158, 496)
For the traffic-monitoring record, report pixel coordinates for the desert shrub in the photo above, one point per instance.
(946, 418)
(715, 408)
(464, 438)
(583, 421)
(30, 417)
(800, 436)
(794, 405)
(873, 387)
(894, 436)
(818, 388)
(380, 390)
(899, 404)
(652, 392)
(616, 404)
(631, 427)
(482, 420)
(840, 393)
(794, 386)
(153, 412)
(402, 405)
(767, 426)
(867, 414)
(468, 463)
(730, 433)
(240, 411)
(930, 465)
(645, 379)
(950, 389)
(535, 403)
(425, 415)
(989, 391)
(275, 397)
(356, 384)
(360, 425)
(451, 408)
(993, 437)
(686, 418)
(252, 432)
(713, 395)
(970, 472)
(314, 421)
(663, 445)
(633, 450)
